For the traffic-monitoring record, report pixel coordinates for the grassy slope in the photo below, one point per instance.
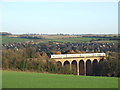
(38, 80)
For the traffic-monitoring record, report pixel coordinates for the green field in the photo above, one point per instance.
(39, 80)
(64, 40)
(72, 40)
(11, 40)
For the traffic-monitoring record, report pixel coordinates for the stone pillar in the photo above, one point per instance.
(70, 66)
(62, 64)
(85, 68)
(77, 68)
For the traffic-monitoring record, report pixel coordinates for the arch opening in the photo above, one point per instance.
(74, 67)
(59, 67)
(101, 60)
(89, 67)
(95, 68)
(66, 67)
(101, 67)
(81, 67)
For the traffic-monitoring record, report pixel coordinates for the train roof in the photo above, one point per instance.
(78, 54)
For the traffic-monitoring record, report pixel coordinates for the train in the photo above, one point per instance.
(78, 55)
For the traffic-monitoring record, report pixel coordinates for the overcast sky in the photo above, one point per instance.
(60, 17)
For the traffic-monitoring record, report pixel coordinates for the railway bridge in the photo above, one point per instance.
(81, 64)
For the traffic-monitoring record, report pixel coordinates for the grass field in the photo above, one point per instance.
(11, 40)
(38, 80)
(64, 40)
(72, 40)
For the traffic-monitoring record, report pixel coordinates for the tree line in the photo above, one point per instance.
(29, 59)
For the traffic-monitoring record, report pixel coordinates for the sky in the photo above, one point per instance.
(59, 17)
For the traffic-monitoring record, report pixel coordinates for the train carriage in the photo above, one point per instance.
(86, 55)
(72, 55)
(58, 56)
(99, 54)
(77, 55)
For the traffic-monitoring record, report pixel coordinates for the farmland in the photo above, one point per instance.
(72, 40)
(12, 40)
(40, 80)
(5, 39)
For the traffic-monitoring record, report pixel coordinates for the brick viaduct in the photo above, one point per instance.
(84, 65)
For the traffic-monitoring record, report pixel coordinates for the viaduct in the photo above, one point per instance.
(84, 65)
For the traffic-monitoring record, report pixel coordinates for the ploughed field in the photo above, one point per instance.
(40, 80)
